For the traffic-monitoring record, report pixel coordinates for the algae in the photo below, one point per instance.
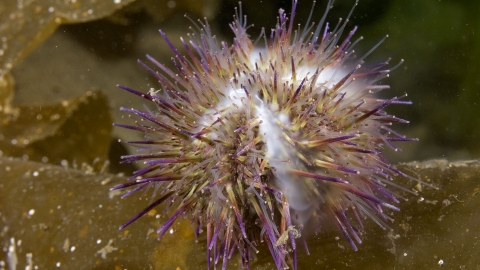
(68, 217)
(27, 23)
(51, 132)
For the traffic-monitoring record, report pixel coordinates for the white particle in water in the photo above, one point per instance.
(31, 212)
(35, 174)
(66, 245)
(12, 255)
(54, 117)
(72, 249)
(171, 4)
(29, 261)
(107, 249)
(99, 241)
(51, 9)
(64, 163)
(441, 262)
(58, 264)
(117, 1)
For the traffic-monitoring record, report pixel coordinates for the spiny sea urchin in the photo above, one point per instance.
(256, 144)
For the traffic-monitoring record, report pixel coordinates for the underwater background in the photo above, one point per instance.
(60, 62)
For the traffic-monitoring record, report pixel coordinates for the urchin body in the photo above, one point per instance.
(253, 145)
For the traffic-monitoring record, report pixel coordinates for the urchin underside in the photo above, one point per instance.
(252, 145)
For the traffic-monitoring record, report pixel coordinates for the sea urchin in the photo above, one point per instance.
(257, 144)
